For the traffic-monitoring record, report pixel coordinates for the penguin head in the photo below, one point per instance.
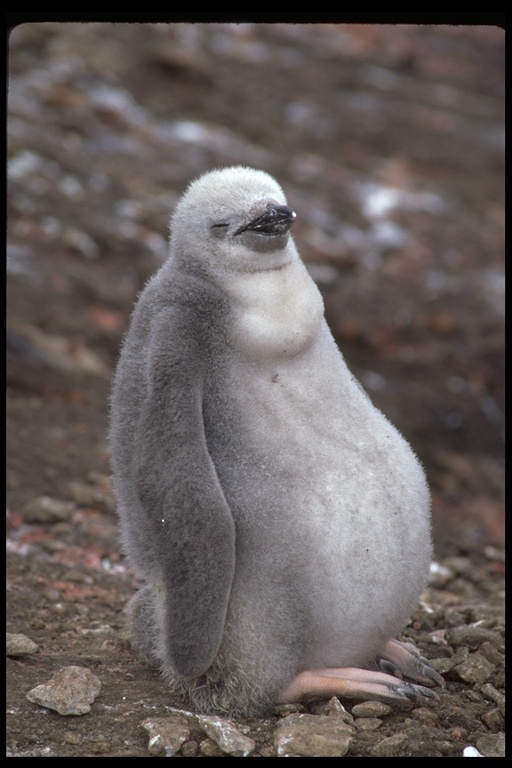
(234, 219)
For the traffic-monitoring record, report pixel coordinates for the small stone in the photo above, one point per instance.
(459, 564)
(70, 737)
(209, 748)
(225, 734)
(88, 496)
(494, 720)
(44, 509)
(448, 748)
(20, 645)
(472, 636)
(371, 709)
(333, 708)
(166, 734)
(473, 696)
(289, 709)
(304, 735)
(189, 748)
(492, 745)
(490, 692)
(491, 653)
(70, 691)
(368, 723)
(476, 669)
(100, 746)
(439, 575)
(460, 655)
(390, 747)
(443, 665)
(425, 715)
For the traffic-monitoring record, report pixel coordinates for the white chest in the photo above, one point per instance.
(277, 312)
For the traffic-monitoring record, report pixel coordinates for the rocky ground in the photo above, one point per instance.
(388, 141)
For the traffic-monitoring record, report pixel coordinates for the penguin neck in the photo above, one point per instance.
(277, 312)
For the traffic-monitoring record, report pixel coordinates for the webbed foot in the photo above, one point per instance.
(353, 683)
(404, 659)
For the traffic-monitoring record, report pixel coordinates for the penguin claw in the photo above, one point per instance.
(417, 694)
(399, 658)
(389, 668)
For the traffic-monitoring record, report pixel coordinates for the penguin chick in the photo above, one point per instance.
(280, 522)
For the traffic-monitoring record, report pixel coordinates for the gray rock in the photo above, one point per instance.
(189, 748)
(475, 669)
(472, 636)
(494, 720)
(225, 734)
(390, 747)
(209, 748)
(490, 692)
(19, 645)
(303, 735)
(439, 575)
(368, 723)
(492, 745)
(44, 509)
(88, 496)
(333, 708)
(166, 734)
(70, 691)
(371, 709)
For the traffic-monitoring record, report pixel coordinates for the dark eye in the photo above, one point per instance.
(218, 226)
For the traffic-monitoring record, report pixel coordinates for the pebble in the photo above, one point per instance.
(371, 709)
(226, 735)
(443, 665)
(425, 715)
(490, 692)
(70, 737)
(88, 496)
(70, 691)
(19, 645)
(439, 575)
(333, 708)
(492, 745)
(476, 669)
(189, 748)
(45, 509)
(304, 735)
(390, 747)
(209, 748)
(166, 734)
(368, 723)
(472, 636)
(494, 720)
(458, 564)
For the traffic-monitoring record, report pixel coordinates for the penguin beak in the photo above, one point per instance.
(276, 220)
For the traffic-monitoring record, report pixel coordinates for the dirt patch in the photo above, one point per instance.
(389, 144)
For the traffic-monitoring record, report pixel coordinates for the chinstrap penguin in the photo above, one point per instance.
(280, 522)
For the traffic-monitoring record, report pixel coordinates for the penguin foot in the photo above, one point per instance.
(353, 683)
(398, 658)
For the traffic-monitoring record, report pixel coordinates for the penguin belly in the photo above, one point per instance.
(330, 506)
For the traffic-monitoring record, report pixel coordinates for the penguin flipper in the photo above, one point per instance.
(190, 520)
